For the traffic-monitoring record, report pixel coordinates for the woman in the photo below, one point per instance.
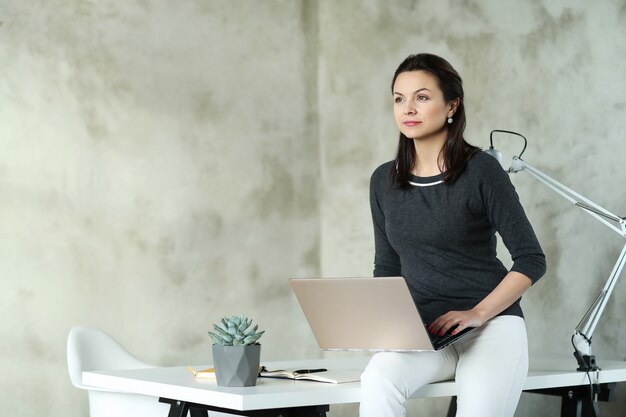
(436, 210)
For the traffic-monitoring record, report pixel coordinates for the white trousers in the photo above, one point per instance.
(489, 364)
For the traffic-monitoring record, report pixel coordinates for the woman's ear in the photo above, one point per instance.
(454, 104)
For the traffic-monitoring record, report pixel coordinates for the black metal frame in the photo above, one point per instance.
(181, 408)
(576, 401)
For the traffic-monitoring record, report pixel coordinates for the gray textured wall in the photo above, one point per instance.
(165, 163)
(551, 70)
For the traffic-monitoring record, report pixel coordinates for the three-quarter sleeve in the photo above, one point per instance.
(507, 216)
(386, 260)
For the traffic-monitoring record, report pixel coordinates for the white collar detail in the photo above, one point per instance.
(429, 184)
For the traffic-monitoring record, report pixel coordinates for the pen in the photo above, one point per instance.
(309, 371)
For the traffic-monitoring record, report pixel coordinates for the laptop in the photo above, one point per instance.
(373, 314)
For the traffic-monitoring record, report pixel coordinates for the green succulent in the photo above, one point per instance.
(235, 331)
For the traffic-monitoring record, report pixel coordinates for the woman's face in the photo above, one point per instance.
(418, 105)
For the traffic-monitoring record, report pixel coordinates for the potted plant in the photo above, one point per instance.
(236, 353)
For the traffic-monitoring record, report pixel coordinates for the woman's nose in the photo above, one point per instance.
(409, 108)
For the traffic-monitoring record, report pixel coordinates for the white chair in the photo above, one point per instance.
(90, 349)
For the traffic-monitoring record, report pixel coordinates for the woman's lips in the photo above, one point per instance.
(411, 123)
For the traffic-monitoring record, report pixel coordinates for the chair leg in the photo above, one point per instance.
(452, 408)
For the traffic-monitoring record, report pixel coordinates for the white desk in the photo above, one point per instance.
(274, 397)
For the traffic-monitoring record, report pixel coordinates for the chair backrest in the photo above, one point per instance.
(91, 349)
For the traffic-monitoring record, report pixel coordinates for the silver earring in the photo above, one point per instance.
(449, 120)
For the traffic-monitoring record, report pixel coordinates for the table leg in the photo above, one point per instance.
(195, 412)
(576, 401)
(180, 409)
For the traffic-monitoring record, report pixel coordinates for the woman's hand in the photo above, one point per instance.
(510, 289)
(460, 319)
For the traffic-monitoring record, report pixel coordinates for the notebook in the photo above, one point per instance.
(374, 314)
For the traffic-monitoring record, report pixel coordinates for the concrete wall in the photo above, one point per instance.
(166, 163)
(546, 69)
(159, 170)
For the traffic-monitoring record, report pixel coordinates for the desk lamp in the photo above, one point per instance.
(581, 339)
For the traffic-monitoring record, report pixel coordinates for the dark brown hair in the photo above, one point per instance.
(456, 151)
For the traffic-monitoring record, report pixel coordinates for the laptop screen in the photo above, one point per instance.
(376, 314)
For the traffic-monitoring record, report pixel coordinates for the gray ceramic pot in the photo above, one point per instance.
(236, 366)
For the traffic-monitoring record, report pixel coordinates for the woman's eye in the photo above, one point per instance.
(422, 98)
(397, 100)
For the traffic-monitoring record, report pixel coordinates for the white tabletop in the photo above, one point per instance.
(180, 384)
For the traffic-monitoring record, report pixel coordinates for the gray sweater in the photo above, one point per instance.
(442, 237)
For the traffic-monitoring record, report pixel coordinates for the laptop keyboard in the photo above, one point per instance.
(439, 342)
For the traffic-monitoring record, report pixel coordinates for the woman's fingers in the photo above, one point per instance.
(456, 320)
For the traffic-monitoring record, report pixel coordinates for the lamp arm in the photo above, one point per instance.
(584, 330)
(591, 318)
(598, 212)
